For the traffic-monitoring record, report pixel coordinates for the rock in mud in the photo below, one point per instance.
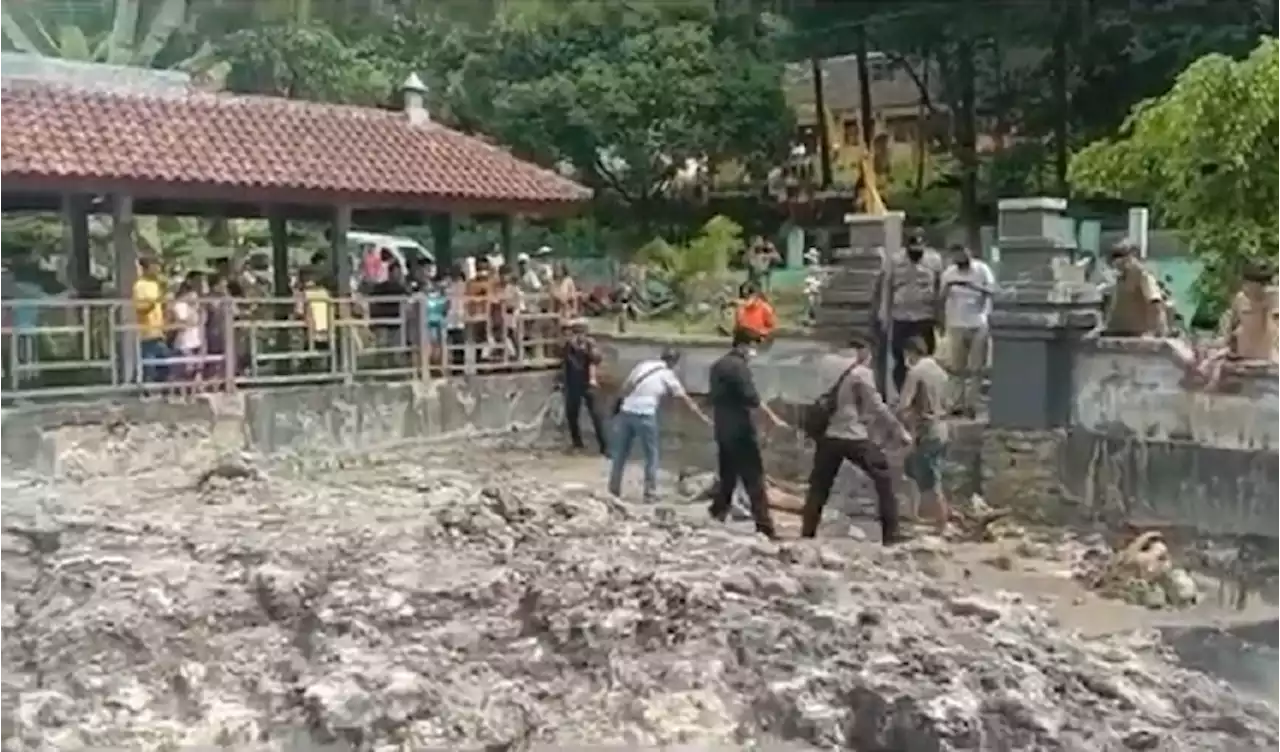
(470, 600)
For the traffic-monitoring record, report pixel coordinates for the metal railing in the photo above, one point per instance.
(83, 348)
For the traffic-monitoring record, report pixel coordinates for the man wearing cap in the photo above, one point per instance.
(581, 359)
(733, 399)
(640, 397)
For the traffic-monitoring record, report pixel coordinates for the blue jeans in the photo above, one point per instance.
(153, 350)
(627, 428)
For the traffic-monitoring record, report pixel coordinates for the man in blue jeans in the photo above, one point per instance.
(637, 418)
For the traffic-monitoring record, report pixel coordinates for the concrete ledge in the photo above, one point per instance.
(307, 424)
(1132, 389)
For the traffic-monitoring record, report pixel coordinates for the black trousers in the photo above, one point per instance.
(739, 461)
(829, 454)
(903, 331)
(575, 396)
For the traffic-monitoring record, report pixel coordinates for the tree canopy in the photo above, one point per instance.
(1203, 155)
(627, 95)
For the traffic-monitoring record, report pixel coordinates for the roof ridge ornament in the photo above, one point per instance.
(415, 96)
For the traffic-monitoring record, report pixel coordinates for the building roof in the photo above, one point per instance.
(891, 87)
(209, 147)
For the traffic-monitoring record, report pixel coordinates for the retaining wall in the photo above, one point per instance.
(1141, 445)
(309, 423)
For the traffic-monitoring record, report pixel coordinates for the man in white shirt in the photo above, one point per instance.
(967, 288)
(637, 418)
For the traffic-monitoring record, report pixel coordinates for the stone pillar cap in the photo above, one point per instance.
(1045, 203)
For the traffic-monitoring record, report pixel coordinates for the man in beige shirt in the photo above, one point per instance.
(1137, 306)
(1250, 326)
(857, 402)
(922, 409)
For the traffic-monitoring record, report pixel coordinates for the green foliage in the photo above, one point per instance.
(1203, 157)
(309, 62)
(694, 272)
(625, 94)
(140, 33)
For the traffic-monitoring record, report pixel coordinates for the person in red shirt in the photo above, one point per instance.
(755, 313)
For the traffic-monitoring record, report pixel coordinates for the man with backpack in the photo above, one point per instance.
(837, 422)
(637, 418)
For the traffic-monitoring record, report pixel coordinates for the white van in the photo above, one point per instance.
(405, 251)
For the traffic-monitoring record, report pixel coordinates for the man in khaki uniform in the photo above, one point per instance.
(1137, 305)
(1250, 325)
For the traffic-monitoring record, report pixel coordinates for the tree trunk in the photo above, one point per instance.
(1061, 98)
(967, 143)
(820, 122)
(923, 121)
(866, 109)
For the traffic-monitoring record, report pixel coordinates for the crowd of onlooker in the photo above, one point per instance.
(478, 310)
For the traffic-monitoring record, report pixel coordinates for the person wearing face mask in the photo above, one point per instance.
(967, 287)
(909, 289)
(733, 400)
(855, 406)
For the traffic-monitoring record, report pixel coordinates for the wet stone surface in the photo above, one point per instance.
(465, 598)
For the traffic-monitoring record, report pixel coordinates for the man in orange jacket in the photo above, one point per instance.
(755, 313)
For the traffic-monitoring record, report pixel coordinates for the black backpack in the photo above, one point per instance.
(816, 418)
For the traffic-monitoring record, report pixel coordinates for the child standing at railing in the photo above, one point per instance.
(188, 338)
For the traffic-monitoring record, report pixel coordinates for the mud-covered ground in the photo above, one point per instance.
(466, 597)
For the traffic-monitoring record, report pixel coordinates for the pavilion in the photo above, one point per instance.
(170, 150)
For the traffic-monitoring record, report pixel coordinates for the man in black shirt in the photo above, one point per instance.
(581, 359)
(733, 398)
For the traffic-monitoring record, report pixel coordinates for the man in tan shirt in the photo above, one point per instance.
(922, 408)
(1137, 305)
(1249, 328)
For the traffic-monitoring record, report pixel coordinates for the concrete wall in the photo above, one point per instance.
(1142, 445)
(306, 424)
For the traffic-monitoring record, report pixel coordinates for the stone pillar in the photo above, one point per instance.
(1035, 331)
(1139, 229)
(1032, 232)
(846, 305)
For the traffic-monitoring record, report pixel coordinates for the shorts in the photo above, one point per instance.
(924, 464)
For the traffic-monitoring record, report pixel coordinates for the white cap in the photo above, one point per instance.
(544, 250)
(524, 257)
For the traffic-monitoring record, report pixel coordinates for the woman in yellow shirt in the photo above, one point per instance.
(148, 307)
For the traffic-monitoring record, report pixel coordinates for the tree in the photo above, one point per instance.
(307, 61)
(123, 32)
(1203, 157)
(628, 96)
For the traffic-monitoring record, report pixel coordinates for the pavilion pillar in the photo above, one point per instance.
(508, 247)
(340, 266)
(278, 228)
(442, 239)
(75, 241)
(125, 253)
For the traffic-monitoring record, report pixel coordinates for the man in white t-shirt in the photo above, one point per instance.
(967, 288)
(637, 418)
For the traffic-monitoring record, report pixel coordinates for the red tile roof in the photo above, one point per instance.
(207, 146)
